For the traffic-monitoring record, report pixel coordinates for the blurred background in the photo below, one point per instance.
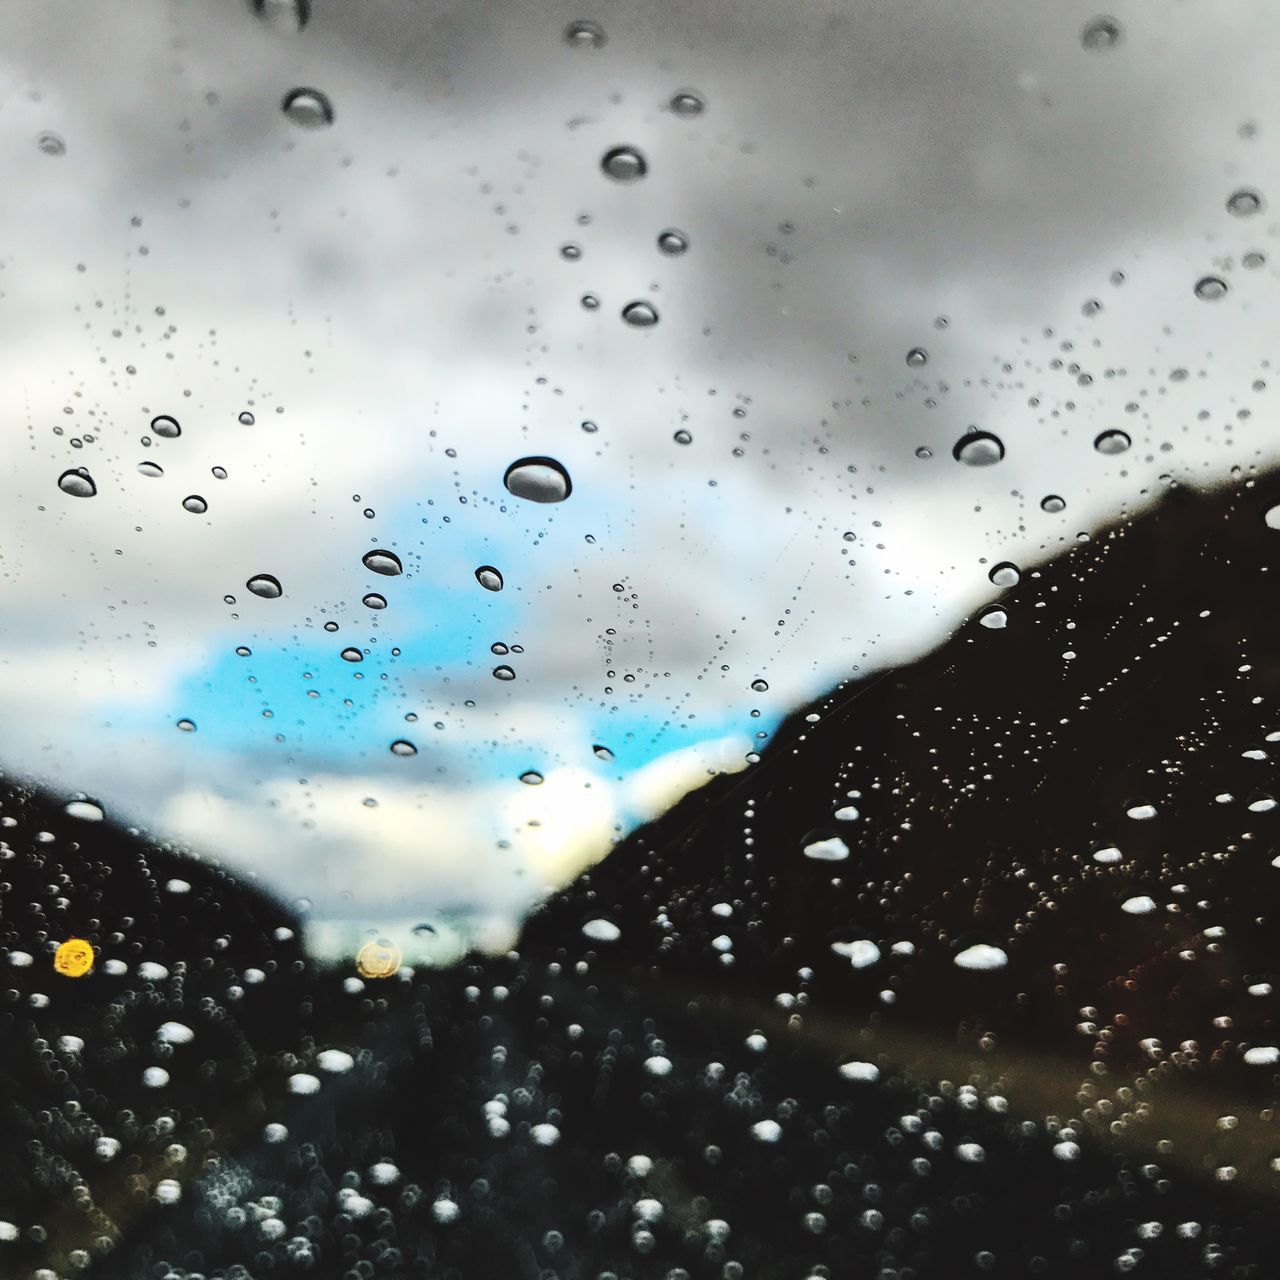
(824, 311)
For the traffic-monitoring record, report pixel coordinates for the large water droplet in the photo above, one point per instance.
(403, 747)
(187, 726)
(978, 449)
(85, 810)
(602, 752)
(1244, 202)
(1005, 574)
(760, 686)
(1112, 442)
(265, 585)
(150, 469)
(374, 601)
(585, 34)
(1211, 288)
(1052, 503)
(1271, 517)
(166, 426)
(195, 504)
(917, 357)
(307, 108)
(624, 164)
(672, 242)
(503, 673)
(538, 480)
(640, 315)
(489, 577)
(531, 778)
(687, 103)
(386, 563)
(78, 483)
(352, 654)
(993, 618)
(1101, 33)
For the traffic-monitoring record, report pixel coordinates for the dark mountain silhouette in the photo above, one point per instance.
(716, 1055)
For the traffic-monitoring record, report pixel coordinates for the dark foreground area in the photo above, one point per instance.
(971, 975)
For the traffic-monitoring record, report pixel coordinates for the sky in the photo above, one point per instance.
(365, 323)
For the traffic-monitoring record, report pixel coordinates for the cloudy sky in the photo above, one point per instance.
(365, 323)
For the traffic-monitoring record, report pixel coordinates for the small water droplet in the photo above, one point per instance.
(624, 164)
(640, 315)
(219, 473)
(195, 504)
(1052, 503)
(590, 302)
(571, 252)
(538, 480)
(672, 242)
(978, 449)
(187, 726)
(374, 601)
(1112, 442)
(1244, 202)
(1005, 574)
(51, 144)
(243, 650)
(265, 585)
(1254, 259)
(246, 419)
(585, 34)
(307, 108)
(683, 437)
(760, 686)
(687, 103)
(531, 778)
(78, 483)
(386, 563)
(1211, 288)
(166, 426)
(917, 357)
(993, 618)
(352, 654)
(489, 578)
(503, 673)
(403, 747)
(1101, 33)
(602, 752)
(150, 469)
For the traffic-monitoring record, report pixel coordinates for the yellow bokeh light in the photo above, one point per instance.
(73, 958)
(378, 959)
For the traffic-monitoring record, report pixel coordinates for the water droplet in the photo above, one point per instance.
(687, 103)
(590, 302)
(672, 242)
(981, 957)
(503, 673)
(1271, 517)
(246, 419)
(571, 252)
(78, 483)
(1112, 442)
(1101, 33)
(624, 164)
(266, 586)
(51, 144)
(640, 315)
(489, 578)
(403, 747)
(1005, 574)
(307, 108)
(1254, 259)
(374, 601)
(187, 726)
(978, 449)
(1211, 288)
(352, 654)
(683, 437)
(243, 650)
(538, 480)
(386, 563)
(585, 34)
(531, 778)
(166, 426)
(1244, 202)
(602, 752)
(1053, 504)
(760, 686)
(917, 357)
(993, 618)
(85, 810)
(195, 504)
(150, 469)
(219, 473)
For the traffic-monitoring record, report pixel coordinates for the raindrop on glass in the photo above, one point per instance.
(602, 752)
(1112, 442)
(672, 242)
(150, 469)
(687, 103)
(503, 673)
(246, 419)
(531, 778)
(640, 315)
(374, 601)
(187, 726)
(585, 34)
(917, 357)
(1211, 288)
(489, 577)
(51, 144)
(386, 563)
(978, 449)
(624, 164)
(403, 747)
(195, 504)
(1005, 574)
(307, 108)
(1101, 33)
(166, 426)
(993, 618)
(538, 480)
(266, 586)
(352, 655)
(1053, 504)
(78, 483)
(682, 437)
(1244, 202)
